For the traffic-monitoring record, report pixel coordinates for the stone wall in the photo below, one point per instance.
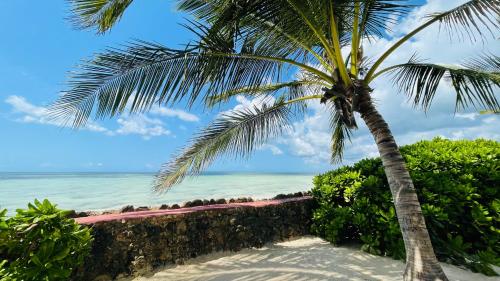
(134, 243)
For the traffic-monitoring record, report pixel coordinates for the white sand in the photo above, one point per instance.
(306, 259)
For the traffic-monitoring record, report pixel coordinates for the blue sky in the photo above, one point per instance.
(39, 47)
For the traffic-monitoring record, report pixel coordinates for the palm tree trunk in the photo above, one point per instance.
(421, 262)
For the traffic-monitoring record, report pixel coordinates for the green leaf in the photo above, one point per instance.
(236, 133)
(472, 19)
(62, 254)
(47, 250)
(98, 14)
(146, 75)
(473, 87)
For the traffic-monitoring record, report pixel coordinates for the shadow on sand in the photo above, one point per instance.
(303, 259)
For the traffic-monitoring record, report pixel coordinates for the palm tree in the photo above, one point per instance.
(290, 50)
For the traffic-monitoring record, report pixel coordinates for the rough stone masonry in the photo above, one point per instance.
(134, 243)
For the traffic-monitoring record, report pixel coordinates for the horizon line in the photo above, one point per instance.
(151, 172)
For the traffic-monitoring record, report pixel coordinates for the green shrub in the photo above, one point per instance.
(458, 185)
(41, 243)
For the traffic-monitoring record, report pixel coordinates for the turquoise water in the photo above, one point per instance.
(99, 191)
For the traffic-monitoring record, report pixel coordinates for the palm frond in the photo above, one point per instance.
(304, 45)
(473, 87)
(272, 42)
(98, 14)
(236, 133)
(313, 18)
(341, 134)
(335, 39)
(300, 27)
(294, 89)
(486, 62)
(489, 112)
(259, 19)
(471, 19)
(471, 16)
(312, 28)
(146, 74)
(377, 14)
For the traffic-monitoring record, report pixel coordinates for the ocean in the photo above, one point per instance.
(107, 191)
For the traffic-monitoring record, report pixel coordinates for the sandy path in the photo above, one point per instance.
(304, 259)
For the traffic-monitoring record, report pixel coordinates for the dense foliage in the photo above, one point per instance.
(41, 243)
(458, 187)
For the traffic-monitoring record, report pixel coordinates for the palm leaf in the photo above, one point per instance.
(270, 39)
(489, 112)
(251, 18)
(313, 27)
(471, 19)
(485, 62)
(377, 14)
(98, 14)
(295, 89)
(236, 133)
(146, 74)
(296, 27)
(471, 16)
(473, 87)
(341, 134)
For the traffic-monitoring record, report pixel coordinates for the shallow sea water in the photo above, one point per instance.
(102, 191)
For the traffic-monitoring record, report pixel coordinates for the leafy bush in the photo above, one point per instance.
(458, 185)
(41, 243)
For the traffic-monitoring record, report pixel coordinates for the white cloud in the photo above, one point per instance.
(165, 111)
(135, 124)
(36, 114)
(310, 137)
(181, 114)
(470, 116)
(273, 148)
(21, 105)
(141, 125)
(258, 102)
(249, 104)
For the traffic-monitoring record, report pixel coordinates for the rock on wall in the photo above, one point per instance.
(133, 246)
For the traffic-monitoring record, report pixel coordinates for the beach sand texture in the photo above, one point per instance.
(305, 259)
